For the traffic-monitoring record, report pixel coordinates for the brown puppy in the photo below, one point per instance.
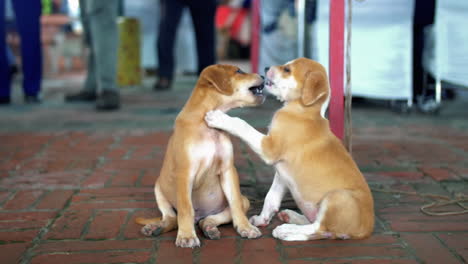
(310, 161)
(198, 177)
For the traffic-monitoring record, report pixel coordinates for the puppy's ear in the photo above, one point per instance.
(218, 77)
(315, 88)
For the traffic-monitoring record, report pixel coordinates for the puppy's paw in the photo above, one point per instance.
(217, 119)
(211, 232)
(187, 241)
(258, 220)
(152, 229)
(290, 232)
(283, 216)
(249, 232)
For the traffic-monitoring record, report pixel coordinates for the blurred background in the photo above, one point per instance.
(405, 54)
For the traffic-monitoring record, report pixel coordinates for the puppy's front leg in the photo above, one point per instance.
(230, 185)
(186, 236)
(240, 128)
(272, 203)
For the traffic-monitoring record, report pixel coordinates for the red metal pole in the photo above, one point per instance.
(255, 43)
(336, 66)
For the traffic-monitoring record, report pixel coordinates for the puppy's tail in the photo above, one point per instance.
(145, 221)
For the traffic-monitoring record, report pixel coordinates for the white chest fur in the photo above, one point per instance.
(212, 153)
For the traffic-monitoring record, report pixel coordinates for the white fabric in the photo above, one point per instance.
(446, 55)
(381, 47)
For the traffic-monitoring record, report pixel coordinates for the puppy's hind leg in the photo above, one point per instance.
(157, 226)
(209, 225)
(339, 216)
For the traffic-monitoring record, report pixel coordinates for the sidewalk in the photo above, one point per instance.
(72, 181)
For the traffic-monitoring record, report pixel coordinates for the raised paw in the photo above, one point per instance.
(187, 241)
(283, 216)
(211, 232)
(152, 230)
(249, 232)
(258, 220)
(216, 119)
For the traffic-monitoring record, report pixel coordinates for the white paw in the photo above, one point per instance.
(249, 232)
(258, 220)
(290, 232)
(217, 119)
(187, 242)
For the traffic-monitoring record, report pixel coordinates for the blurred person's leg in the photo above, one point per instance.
(28, 15)
(101, 17)
(88, 93)
(170, 14)
(203, 16)
(4, 65)
(424, 11)
(104, 40)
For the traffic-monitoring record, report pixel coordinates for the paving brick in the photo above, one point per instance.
(75, 246)
(114, 194)
(218, 251)
(418, 222)
(11, 253)
(98, 179)
(70, 225)
(55, 199)
(131, 164)
(22, 200)
(125, 178)
(356, 261)
(98, 257)
(26, 216)
(437, 253)
(117, 153)
(106, 224)
(167, 252)
(457, 242)
(345, 251)
(405, 175)
(259, 251)
(149, 177)
(144, 152)
(45, 180)
(18, 235)
(439, 174)
(4, 195)
(156, 139)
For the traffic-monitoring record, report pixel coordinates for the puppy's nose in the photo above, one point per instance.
(266, 69)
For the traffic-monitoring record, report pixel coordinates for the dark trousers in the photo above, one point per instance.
(423, 16)
(203, 16)
(27, 13)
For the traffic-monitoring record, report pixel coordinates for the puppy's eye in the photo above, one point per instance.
(240, 71)
(287, 69)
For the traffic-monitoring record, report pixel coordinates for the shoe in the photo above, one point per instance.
(108, 100)
(5, 100)
(32, 99)
(163, 84)
(81, 96)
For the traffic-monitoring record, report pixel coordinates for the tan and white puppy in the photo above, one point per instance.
(198, 178)
(310, 161)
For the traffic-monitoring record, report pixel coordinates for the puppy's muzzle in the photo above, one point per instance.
(257, 90)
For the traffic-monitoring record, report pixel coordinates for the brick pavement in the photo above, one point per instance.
(72, 181)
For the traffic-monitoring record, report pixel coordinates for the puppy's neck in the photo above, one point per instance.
(313, 111)
(201, 102)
